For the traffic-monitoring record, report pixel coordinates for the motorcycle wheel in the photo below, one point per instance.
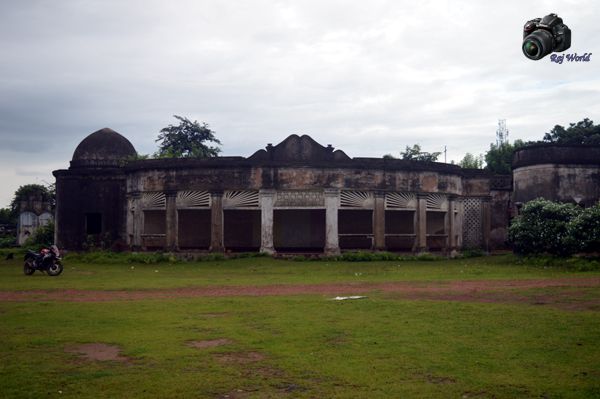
(28, 268)
(55, 269)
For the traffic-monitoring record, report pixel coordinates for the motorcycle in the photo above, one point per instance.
(47, 260)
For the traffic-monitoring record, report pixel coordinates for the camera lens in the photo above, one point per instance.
(538, 44)
(531, 49)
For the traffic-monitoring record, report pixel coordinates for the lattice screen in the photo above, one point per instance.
(472, 223)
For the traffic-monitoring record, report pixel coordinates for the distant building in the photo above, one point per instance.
(34, 212)
(295, 196)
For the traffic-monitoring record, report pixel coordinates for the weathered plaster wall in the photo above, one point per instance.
(565, 183)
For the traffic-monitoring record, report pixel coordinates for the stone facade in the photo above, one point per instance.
(295, 196)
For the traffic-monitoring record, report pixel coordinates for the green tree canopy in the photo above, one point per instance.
(6, 216)
(499, 157)
(471, 161)
(414, 153)
(186, 140)
(28, 190)
(582, 132)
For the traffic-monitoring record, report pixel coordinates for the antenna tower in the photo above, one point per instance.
(501, 133)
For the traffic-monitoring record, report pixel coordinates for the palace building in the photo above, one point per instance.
(296, 196)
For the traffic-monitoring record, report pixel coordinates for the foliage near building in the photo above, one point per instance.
(42, 237)
(471, 161)
(555, 228)
(415, 153)
(186, 140)
(582, 132)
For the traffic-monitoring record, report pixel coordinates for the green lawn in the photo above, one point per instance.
(303, 346)
(265, 270)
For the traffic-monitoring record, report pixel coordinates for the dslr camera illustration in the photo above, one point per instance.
(542, 36)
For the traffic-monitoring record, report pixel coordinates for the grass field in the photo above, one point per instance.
(444, 342)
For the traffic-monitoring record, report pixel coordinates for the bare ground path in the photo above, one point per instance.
(568, 292)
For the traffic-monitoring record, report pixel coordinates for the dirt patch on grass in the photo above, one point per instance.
(456, 290)
(557, 297)
(213, 315)
(210, 343)
(98, 352)
(239, 357)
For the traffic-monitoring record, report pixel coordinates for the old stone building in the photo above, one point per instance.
(35, 211)
(294, 196)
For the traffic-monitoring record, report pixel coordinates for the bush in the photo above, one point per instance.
(42, 237)
(584, 230)
(7, 241)
(554, 228)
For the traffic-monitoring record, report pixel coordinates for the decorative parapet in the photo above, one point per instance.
(299, 199)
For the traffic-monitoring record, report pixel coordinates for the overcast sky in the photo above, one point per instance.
(368, 77)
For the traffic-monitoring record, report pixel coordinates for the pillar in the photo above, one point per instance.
(216, 222)
(267, 199)
(486, 224)
(332, 204)
(459, 222)
(171, 221)
(451, 226)
(379, 221)
(421, 223)
(135, 221)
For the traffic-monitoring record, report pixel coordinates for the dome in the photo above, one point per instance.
(102, 148)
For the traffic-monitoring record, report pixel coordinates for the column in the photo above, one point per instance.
(460, 216)
(171, 221)
(267, 199)
(136, 224)
(486, 224)
(451, 226)
(421, 227)
(379, 221)
(216, 222)
(332, 204)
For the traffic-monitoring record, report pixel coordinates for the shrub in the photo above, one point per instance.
(42, 237)
(542, 227)
(584, 230)
(7, 241)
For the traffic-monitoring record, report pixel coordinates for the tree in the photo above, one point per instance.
(499, 157)
(6, 216)
(414, 153)
(186, 140)
(470, 161)
(582, 132)
(389, 156)
(46, 194)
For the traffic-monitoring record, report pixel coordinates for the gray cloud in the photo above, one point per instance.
(369, 78)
